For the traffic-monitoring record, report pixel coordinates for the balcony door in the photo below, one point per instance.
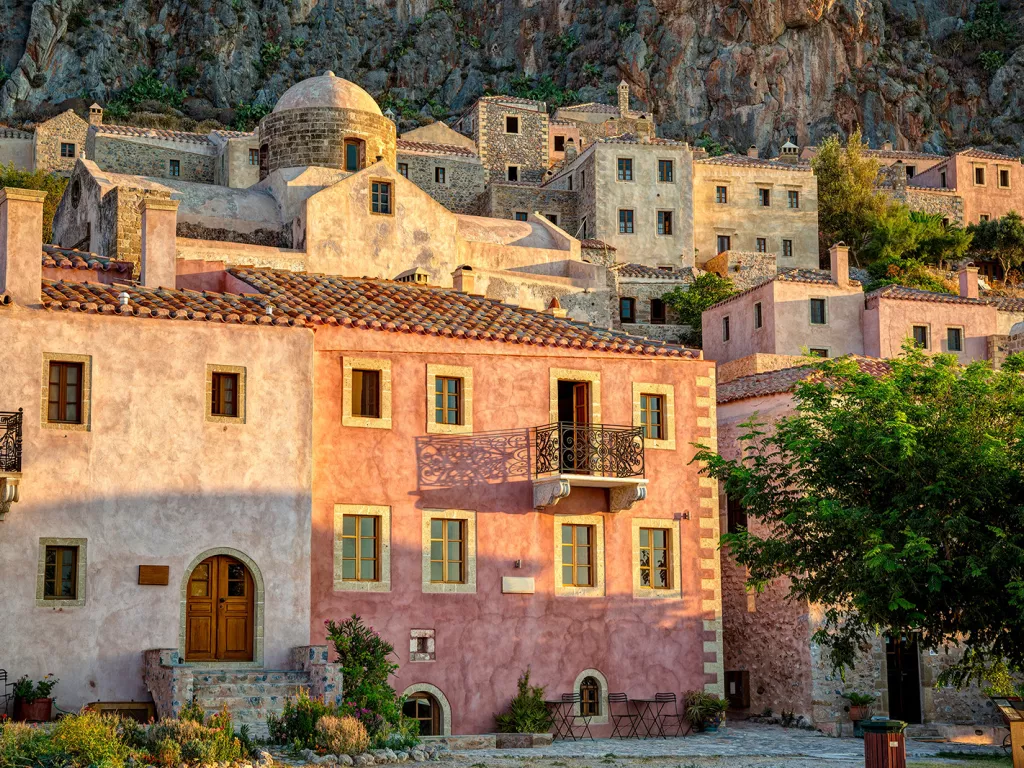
(220, 611)
(574, 418)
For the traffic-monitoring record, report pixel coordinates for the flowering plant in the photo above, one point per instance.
(26, 690)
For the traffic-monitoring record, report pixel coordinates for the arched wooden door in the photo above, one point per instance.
(220, 611)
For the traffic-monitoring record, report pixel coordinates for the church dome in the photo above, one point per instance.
(327, 90)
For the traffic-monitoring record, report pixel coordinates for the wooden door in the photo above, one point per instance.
(220, 611)
(904, 679)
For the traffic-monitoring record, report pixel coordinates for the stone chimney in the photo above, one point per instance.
(570, 150)
(790, 153)
(95, 114)
(623, 98)
(555, 308)
(887, 145)
(968, 282)
(464, 279)
(21, 244)
(752, 152)
(839, 264)
(159, 246)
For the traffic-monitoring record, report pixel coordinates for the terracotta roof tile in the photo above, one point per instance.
(629, 138)
(153, 133)
(755, 162)
(653, 273)
(234, 134)
(68, 258)
(917, 294)
(404, 145)
(986, 155)
(595, 244)
(794, 275)
(903, 154)
(784, 380)
(591, 106)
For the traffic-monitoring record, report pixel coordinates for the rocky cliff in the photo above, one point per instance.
(932, 74)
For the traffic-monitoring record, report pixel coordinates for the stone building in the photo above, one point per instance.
(152, 152)
(511, 136)
(593, 120)
(449, 173)
(59, 142)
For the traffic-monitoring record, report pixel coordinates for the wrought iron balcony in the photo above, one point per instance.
(10, 441)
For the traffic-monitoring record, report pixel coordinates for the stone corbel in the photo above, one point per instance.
(8, 493)
(625, 496)
(547, 493)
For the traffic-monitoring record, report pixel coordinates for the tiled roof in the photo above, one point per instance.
(67, 258)
(591, 106)
(986, 155)
(1007, 303)
(153, 133)
(404, 145)
(234, 134)
(302, 299)
(917, 294)
(754, 162)
(792, 275)
(902, 154)
(653, 273)
(595, 244)
(777, 382)
(629, 138)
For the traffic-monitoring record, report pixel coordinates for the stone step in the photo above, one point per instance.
(233, 676)
(210, 691)
(262, 702)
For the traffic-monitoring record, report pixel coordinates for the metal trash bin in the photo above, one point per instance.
(884, 744)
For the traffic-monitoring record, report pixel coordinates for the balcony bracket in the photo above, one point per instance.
(549, 491)
(8, 492)
(623, 497)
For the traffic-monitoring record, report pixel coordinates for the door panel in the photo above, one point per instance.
(904, 679)
(220, 611)
(200, 612)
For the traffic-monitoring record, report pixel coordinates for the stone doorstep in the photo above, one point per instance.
(492, 741)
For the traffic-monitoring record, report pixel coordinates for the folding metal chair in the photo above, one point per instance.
(669, 713)
(575, 716)
(617, 716)
(5, 693)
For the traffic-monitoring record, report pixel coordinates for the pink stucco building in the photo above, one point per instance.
(989, 184)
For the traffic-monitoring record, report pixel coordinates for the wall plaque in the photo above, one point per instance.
(158, 575)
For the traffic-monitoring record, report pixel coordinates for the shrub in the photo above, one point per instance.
(24, 688)
(342, 735)
(192, 711)
(22, 744)
(297, 723)
(54, 187)
(248, 115)
(689, 303)
(89, 739)
(701, 707)
(196, 742)
(366, 664)
(527, 712)
(858, 699)
(167, 753)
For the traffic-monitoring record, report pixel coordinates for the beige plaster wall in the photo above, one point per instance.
(16, 151)
(840, 335)
(889, 322)
(233, 168)
(151, 481)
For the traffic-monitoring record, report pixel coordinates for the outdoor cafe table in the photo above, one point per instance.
(561, 714)
(649, 712)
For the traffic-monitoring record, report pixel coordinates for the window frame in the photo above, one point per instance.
(721, 194)
(555, 142)
(627, 301)
(467, 519)
(758, 316)
(646, 411)
(517, 124)
(590, 707)
(521, 216)
(726, 330)
(174, 168)
(627, 221)
(1000, 171)
(81, 570)
(670, 176)
(358, 537)
(735, 515)
(349, 366)
(927, 335)
(72, 152)
(84, 424)
(508, 173)
(597, 587)
(787, 249)
(219, 405)
(367, 407)
(403, 169)
(674, 589)
(764, 197)
(761, 244)
(441, 175)
(384, 192)
(960, 330)
(58, 580)
(448, 387)
(983, 175)
(668, 422)
(718, 243)
(383, 580)
(813, 352)
(651, 548)
(793, 199)
(360, 147)
(821, 301)
(665, 224)
(212, 369)
(624, 169)
(465, 375)
(659, 312)
(254, 152)
(574, 546)
(63, 401)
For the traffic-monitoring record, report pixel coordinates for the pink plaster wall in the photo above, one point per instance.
(989, 199)
(744, 339)
(485, 640)
(888, 324)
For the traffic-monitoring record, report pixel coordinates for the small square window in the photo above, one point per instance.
(762, 245)
(67, 150)
(920, 334)
(403, 168)
(664, 222)
(725, 328)
(817, 352)
(511, 124)
(911, 171)
(722, 195)
(625, 222)
(724, 243)
(366, 393)
(818, 316)
(625, 169)
(380, 197)
(793, 197)
(1004, 178)
(447, 400)
(522, 216)
(655, 558)
(254, 157)
(787, 249)
(979, 175)
(559, 143)
(64, 393)
(665, 171)
(954, 340)
(764, 197)
(439, 174)
(552, 217)
(512, 174)
(224, 397)
(652, 416)
(758, 316)
(657, 312)
(627, 310)
(983, 217)
(174, 168)
(60, 573)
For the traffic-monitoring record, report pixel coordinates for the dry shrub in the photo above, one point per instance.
(342, 735)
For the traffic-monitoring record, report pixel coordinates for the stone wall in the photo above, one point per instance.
(503, 201)
(586, 206)
(137, 157)
(527, 149)
(590, 132)
(66, 128)
(464, 179)
(274, 238)
(644, 291)
(745, 269)
(947, 204)
(296, 138)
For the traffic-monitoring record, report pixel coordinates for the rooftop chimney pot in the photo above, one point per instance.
(839, 264)
(968, 282)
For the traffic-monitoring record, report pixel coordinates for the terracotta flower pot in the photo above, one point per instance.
(33, 710)
(859, 712)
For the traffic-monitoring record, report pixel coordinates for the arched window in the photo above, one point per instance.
(423, 708)
(590, 697)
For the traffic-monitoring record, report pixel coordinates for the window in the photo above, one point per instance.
(625, 222)
(67, 150)
(664, 222)
(725, 329)
(552, 217)
(583, 177)
(590, 697)
(652, 416)
(174, 168)
(353, 149)
(577, 555)
(657, 312)
(794, 198)
(722, 195)
(570, 182)
(625, 169)
(64, 393)
(762, 245)
(942, 179)
(627, 310)
(724, 243)
(665, 171)
(380, 197)
(254, 157)
(512, 174)
(764, 197)
(818, 316)
(787, 249)
(521, 216)
(920, 334)
(1004, 178)
(422, 708)
(817, 352)
(439, 174)
(655, 558)
(403, 168)
(983, 217)
(60, 573)
(224, 397)
(979, 175)
(366, 393)
(360, 548)
(511, 124)
(758, 317)
(583, 228)
(911, 171)
(559, 143)
(447, 551)
(954, 340)
(447, 400)
(736, 515)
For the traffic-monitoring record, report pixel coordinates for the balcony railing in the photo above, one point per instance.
(10, 441)
(590, 449)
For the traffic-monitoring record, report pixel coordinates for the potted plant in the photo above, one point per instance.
(860, 705)
(32, 702)
(704, 711)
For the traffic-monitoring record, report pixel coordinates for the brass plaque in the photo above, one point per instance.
(158, 575)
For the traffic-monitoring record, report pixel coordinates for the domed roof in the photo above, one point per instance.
(327, 90)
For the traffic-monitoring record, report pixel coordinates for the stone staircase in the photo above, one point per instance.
(250, 695)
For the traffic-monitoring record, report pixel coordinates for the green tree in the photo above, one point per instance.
(848, 201)
(50, 183)
(894, 502)
(1001, 239)
(903, 242)
(705, 291)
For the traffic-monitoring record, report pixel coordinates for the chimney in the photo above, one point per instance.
(555, 308)
(887, 145)
(968, 282)
(21, 244)
(159, 246)
(464, 279)
(95, 114)
(623, 98)
(839, 263)
(752, 152)
(570, 150)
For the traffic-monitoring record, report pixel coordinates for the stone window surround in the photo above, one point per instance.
(672, 228)
(80, 577)
(86, 384)
(668, 392)
(556, 375)
(1000, 170)
(827, 350)
(509, 167)
(828, 313)
(444, 170)
(602, 683)
(674, 591)
(442, 701)
(596, 521)
(465, 373)
(672, 162)
(383, 583)
(718, 186)
(984, 174)
(350, 364)
(519, 124)
(429, 642)
(239, 395)
(632, 168)
(468, 516)
(963, 339)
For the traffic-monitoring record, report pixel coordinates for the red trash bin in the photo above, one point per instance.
(884, 745)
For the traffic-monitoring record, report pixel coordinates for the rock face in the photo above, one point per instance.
(746, 71)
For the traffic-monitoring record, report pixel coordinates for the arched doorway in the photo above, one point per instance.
(220, 610)
(424, 709)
